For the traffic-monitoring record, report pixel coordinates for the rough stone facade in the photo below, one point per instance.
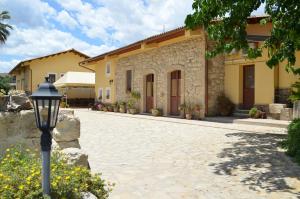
(216, 78)
(187, 56)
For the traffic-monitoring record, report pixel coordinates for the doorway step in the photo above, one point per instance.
(239, 113)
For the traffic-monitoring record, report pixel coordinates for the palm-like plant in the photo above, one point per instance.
(4, 28)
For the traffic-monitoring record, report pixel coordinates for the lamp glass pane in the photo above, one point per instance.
(54, 113)
(43, 108)
(36, 113)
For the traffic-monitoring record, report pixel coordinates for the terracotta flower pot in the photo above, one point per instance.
(188, 116)
(122, 110)
(132, 111)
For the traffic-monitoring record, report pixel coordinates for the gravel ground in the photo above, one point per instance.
(161, 158)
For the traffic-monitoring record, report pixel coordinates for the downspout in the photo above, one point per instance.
(81, 65)
(206, 77)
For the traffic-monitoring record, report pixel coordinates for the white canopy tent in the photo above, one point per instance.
(77, 85)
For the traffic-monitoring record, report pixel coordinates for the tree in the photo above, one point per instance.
(5, 84)
(4, 28)
(226, 20)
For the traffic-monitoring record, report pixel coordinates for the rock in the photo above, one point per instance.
(67, 129)
(76, 157)
(275, 110)
(296, 110)
(18, 103)
(3, 102)
(286, 114)
(88, 195)
(69, 144)
(28, 125)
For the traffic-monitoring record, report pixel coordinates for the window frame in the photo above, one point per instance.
(107, 99)
(52, 74)
(100, 90)
(106, 66)
(127, 89)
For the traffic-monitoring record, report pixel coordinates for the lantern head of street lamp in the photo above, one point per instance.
(46, 101)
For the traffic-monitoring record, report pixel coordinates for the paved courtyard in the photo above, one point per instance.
(161, 158)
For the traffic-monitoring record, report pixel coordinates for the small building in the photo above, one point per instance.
(170, 69)
(30, 73)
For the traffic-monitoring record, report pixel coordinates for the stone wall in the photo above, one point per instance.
(187, 56)
(216, 78)
(19, 128)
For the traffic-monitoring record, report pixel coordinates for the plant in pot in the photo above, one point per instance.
(181, 109)
(189, 111)
(115, 107)
(109, 108)
(133, 101)
(197, 111)
(255, 113)
(104, 108)
(122, 107)
(156, 112)
(224, 106)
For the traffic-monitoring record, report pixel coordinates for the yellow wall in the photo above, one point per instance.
(103, 80)
(287, 79)
(40, 68)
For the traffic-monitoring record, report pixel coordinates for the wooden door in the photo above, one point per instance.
(175, 92)
(149, 92)
(249, 89)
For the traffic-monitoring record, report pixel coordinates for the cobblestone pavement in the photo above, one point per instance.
(161, 158)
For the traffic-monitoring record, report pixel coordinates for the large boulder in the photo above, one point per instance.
(64, 145)
(275, 110)
(67, 128)
(3, 102)
(76, 157)
(286, 114)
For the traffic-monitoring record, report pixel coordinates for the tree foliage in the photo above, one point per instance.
(230, 32)
(5, 84)
(4, 28)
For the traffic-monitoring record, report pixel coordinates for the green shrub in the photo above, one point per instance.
(224, 106)
(292, 143)
(253, 112)
(20, 177)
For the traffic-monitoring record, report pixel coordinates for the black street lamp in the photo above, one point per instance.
(46, 102)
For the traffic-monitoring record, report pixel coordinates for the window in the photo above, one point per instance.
(100, 94)
(128, 81)
(107, 68)
(107, 96)
(51, 77)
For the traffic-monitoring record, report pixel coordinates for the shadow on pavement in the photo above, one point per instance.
(258, 163)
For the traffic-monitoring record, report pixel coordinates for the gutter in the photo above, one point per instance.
(81, 65)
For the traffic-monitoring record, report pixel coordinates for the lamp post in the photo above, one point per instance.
(46, 102)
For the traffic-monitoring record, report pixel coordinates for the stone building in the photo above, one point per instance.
(170, 69)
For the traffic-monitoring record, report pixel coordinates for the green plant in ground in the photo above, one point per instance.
(253, 112)
(224, 106)
(5, 84)
(295, 92)
(292, 143)
(20, 177)
(156, 112)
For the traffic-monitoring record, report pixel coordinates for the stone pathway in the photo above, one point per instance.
(162, 158)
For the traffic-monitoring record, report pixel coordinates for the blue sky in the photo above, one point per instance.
(42, 27)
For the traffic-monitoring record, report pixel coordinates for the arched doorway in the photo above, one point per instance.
(175, 92)
(149, 92)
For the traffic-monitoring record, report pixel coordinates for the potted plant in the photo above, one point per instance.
(104, 108)
(188, 111)
(115, 107)
(130, 107)
(156, 112)
(110, 108)
(197, 112)
(122, 107)
(181, 109)
(133, 101)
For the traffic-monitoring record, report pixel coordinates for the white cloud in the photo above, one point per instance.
(28, 43)
(6, 66)
(28, 13)
(65, 19)
(125, 21)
